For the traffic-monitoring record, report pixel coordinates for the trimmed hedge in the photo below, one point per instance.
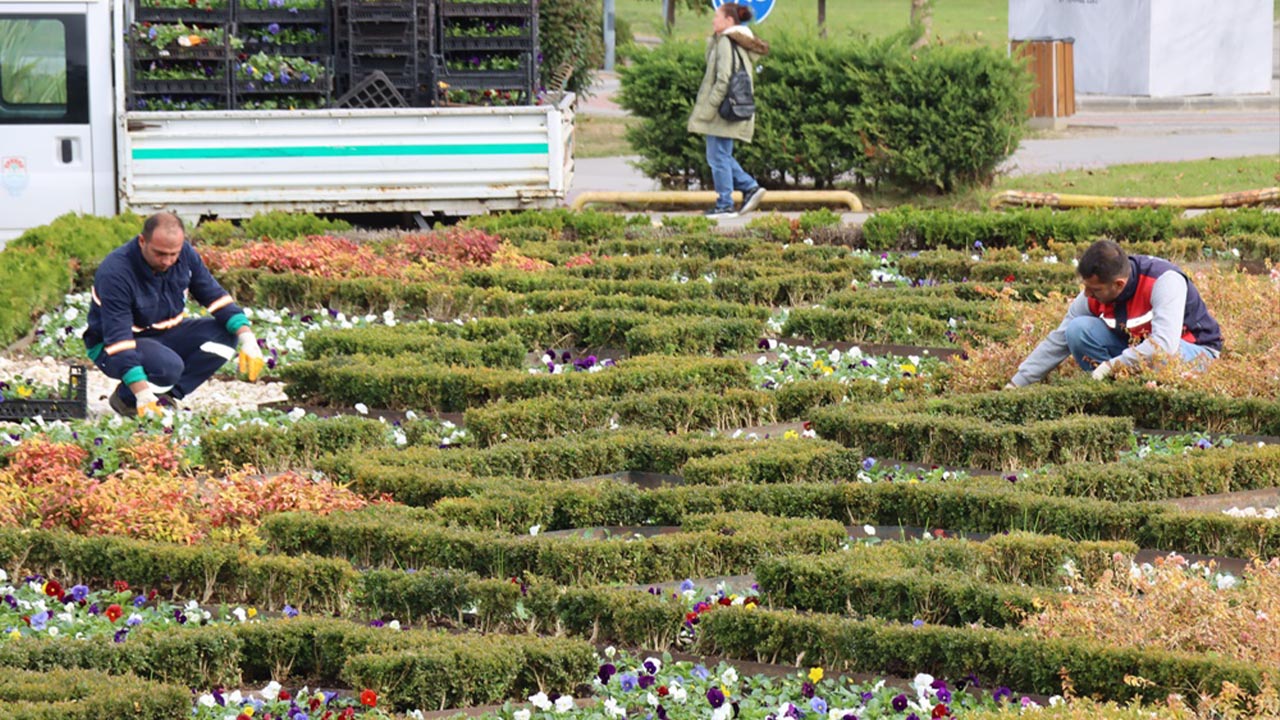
(673, 412)
(722, 545)
(59, 694)
(886, 431)
(190, 656)
(1201, 472)
(209, 572)
(906, 228)
(779, 461)
(272, 449)
(889, 326)
(999, 657)
(402, 382)
(943, 582)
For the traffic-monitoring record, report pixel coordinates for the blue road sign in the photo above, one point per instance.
(759, 8)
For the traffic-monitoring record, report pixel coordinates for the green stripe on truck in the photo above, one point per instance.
(234, 153)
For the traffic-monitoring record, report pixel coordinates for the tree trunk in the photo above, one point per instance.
(922, 15)
(822, 17)
(671, 14)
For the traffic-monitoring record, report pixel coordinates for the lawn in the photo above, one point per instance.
(983, 20)
(1169, 179)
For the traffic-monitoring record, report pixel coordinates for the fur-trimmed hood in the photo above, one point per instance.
(742, 36)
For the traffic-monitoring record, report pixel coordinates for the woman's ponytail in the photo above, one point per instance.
(740, 13)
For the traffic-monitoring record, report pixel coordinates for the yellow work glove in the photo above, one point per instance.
(251, 360)
(148, 404)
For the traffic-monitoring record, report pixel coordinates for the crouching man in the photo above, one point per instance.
(1125, 299)
(138, 330)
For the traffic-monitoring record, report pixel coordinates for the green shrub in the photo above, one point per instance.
(58, 694)
(284, 226)
(272, 449)
(815, 124)
(999, 657)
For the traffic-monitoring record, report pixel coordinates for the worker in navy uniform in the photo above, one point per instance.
(139, 332)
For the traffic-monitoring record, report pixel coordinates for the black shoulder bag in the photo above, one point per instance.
(739, 102)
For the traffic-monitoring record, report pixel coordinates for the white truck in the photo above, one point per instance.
(68, 141)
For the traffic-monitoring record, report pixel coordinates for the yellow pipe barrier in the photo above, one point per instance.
(1265, 196)
(707, 198)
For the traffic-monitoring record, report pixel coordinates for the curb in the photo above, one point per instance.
(1101, 103)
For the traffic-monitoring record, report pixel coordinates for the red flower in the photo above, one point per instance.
(284, 695)
(691, 617)
(1009, 278)
(151, 594)
(242, 716)
(663, 691)
(53, 589)
(314, 704)
(941, 711)
(121, 586)
(725, 601)
(348, 713)
(114, 612)
(26, 619)
(369, 698)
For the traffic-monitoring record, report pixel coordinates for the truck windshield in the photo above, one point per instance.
(35, 66)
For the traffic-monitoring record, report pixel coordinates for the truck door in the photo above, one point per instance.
(46, 153)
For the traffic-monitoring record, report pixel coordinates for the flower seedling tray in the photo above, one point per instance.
(313, 88)
(490, 9)
(185, 15)
(177, 52)
(279, 15)
(493, 42)
(183, 87)
(306, 50)
(74, 406)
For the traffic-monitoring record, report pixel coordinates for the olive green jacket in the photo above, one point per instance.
(721, 48)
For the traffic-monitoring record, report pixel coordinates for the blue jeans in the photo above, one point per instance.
(727, 174)
(180, 359)
(1091, 343)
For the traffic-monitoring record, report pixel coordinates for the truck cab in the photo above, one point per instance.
(70, 140)
(57, 153)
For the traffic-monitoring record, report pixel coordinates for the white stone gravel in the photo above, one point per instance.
(1267, 513)
(215, 395)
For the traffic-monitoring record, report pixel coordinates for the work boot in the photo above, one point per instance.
(119, 405)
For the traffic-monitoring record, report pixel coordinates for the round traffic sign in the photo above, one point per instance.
(759, 8)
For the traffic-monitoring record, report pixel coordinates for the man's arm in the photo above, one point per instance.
(1052, 350)
(209, 293)
(1168, 310)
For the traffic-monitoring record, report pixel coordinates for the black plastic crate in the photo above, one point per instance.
(310, 50)
(382, 11)
(278, 15)
(382, 38)
(210, 53)
(190, 16)
(486, 10)
(75, 405)
(485, 79)
(247, 87)
(374, 91)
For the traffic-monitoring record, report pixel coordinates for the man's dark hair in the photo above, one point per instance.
(166, 220)
(1104, 260)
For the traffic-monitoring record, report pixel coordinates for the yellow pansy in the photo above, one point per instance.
(815, 674)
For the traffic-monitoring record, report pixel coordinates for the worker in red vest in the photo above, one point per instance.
(1132, 308)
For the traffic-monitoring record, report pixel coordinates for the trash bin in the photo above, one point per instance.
(1052, 63)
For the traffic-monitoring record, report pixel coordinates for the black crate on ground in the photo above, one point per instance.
(74, 405)
(374, 91)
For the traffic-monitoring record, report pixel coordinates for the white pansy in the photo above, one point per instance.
(729, 676)
(296, 414)
(540, 701)
(564, 704)
(679, 695)
(610, 651)
(207, 700)
(869, 530)
(362, 408)
(394, 624)
(521, 714)
(612, 709)
(240, 614)
(535, 529)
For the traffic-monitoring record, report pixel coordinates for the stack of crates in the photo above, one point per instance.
(189, 72)
(486, 52)
(381, 36)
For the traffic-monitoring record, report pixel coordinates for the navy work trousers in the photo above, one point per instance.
(180, 359)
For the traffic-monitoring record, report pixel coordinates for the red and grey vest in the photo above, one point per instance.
(1130, 314)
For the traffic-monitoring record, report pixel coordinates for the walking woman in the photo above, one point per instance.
(732, 45)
